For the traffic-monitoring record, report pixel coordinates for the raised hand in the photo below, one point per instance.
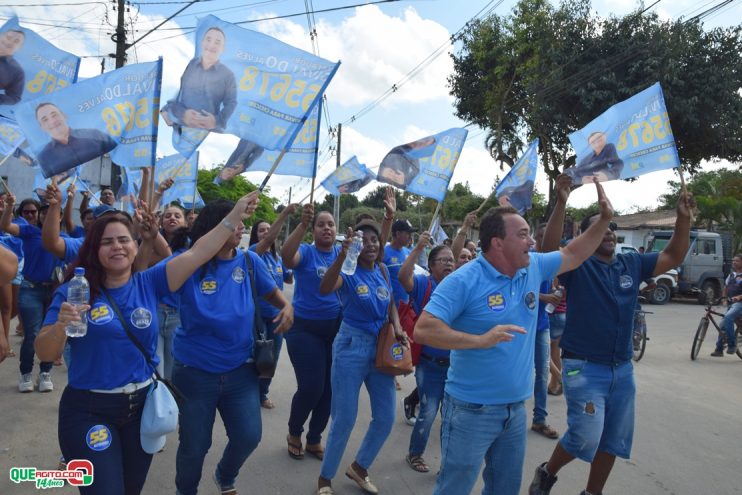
(390, 202)
(348, 240)
(686, 204)
(606, 209)
(53, 194)
(247, 204)
(290, 209)
(307, 214)
(145, 221)
(423, 241)
(562, 187)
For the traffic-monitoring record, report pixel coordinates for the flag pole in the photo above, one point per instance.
(683, 189)
(435, 215)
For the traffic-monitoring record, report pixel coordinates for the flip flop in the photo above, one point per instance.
(294, 449)
(315, 450)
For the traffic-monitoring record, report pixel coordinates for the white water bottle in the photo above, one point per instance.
(351, 259)
(550, 307)
(78, 293)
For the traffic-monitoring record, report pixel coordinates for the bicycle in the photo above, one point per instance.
(704, 325)
(639, 337)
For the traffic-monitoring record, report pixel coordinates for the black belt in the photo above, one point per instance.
(33, 284)
(572, 355)
(439, 361)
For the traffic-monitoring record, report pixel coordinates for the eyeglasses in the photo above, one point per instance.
(445, 261)
(30, 212)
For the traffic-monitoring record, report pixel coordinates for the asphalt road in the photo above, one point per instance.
(687, 429)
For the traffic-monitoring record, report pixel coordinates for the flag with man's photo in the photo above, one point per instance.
(112, 113)
(246, 83)
(11, 136)
(629, 139)
(516, 189)
(64, 181)
(424, 166)
(33, 66)
(300, 160)
(348, 178)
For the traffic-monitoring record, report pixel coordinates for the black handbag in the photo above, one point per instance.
(263, 355)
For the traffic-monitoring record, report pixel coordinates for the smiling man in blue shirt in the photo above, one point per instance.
(486, 313)
(597, 344)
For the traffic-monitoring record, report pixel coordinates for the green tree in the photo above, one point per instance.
(545, 71)
(234, 190)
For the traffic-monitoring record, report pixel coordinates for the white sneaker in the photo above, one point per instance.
(25, 384)
(45, 382)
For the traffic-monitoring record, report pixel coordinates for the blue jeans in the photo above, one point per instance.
(727, 324)
(353, 364)
(168, 319)
(600, 408)
(235, 395)
(104, 429)
(32, 304)
(471, 433)
(541, 384)
(431, 380)
(309, 343)
(265, 383)
(557, 322)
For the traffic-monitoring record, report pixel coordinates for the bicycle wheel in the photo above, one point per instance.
(640, 339)
(698, 339)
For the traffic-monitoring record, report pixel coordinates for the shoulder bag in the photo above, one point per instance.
(263, 355)
(392, 356)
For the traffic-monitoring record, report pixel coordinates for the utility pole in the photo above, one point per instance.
(336, 206)
(119, 37)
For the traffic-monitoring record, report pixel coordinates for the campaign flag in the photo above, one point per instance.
(424, 166)
(183, 193)
(64, 180)
(177, 167)
(128, 193)
(516, 189)
(32, 67)
(112, 113)
(629, 139)
(11, 136)
(248, 84)
(437, 234)
(187, 201)
(348, 178)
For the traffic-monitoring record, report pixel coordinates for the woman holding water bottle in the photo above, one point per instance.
(100, 410)
(366, 293)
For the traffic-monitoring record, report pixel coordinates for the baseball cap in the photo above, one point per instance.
(403, 226)
(367, 222)
(102, 210)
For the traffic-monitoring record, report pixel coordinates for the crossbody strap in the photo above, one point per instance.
(259, 325)
(392, 306)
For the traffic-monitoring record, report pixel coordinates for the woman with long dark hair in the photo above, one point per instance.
(317, 321)
(263, 243)
(100, 410)
(213, 351)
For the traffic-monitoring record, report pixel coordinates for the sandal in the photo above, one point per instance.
(315, 450)
(267, 404)
(417, 463)
(11, 353)
(295, 450)
(545, 430)
(326, 490)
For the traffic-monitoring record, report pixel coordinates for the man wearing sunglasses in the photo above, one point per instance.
(597, 373)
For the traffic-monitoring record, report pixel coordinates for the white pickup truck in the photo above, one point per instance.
(666, 284)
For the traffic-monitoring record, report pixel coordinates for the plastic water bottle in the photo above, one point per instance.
(78, 293)
(351, 259)
(550, 307)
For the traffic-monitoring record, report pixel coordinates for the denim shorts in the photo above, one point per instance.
(557, 322)
(19, 275)
(600, 408)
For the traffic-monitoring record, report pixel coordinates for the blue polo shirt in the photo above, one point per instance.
(365, 298)
(105, 358)
(72, 247)
(393, 259)
(308, 273)
(275, 267)
(601, 298)
(417, 295)
(39, 263)
(217, 313)
(14, 244)
(475, 298)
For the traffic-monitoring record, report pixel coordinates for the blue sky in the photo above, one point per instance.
(378, 46)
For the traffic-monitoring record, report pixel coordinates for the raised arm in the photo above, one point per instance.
(180, 268)
(5, 220)
(164, 186)
(85, 203)
(290, 249)
(433, 332)
(275, 229)
(50, 235)
(458, 242)
(677, 248)
(406, 273)
(555, 226)
(69, 225)
(584, 245)
(146, 224)
(390, 208)
(332, 280)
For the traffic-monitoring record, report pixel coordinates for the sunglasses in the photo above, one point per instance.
(29, 212)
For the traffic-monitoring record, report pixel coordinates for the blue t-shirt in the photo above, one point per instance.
(475, 298)
(601, 298)
(171, 298)
(279, 274)
(308, 302)
(393, 259)
(77, 232)
(40, 263)
(105, 358)
(14, 244)
(543, 316)
(417, 295)
(72, 247)
(217, 314)
(365, 299)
